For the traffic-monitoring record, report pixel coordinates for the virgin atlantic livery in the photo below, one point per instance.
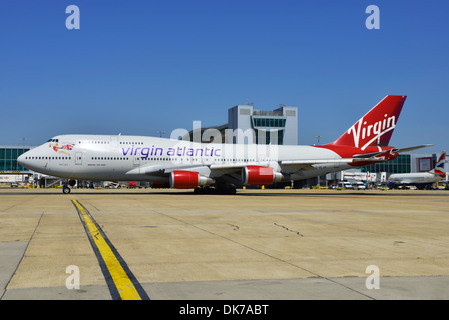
(222, 167)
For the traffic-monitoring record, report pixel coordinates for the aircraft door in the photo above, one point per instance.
(79, 158)
(114, 140)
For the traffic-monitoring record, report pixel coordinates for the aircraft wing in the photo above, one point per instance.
(301, 165)
(297, 164)
(164, 170)
(220, 169)
(159, 170)
(230, 173)
(324, 161)
(287, 165)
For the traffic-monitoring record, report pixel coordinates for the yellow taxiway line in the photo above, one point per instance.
(121, 282)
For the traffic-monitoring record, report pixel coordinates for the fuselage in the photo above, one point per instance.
(420, 178)
(186, 165)
(140, 158)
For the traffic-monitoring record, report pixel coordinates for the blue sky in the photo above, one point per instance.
(137, 67)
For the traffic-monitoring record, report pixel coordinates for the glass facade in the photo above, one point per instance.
(264, 137)
(402, 164)
(8, 159)
(269, 122)
(269, 130)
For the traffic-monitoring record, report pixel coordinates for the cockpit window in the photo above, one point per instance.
(53, 140)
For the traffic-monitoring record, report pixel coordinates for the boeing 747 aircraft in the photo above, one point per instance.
(420, 180)
(224, 167)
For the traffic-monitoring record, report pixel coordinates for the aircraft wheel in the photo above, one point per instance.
(65, 190)
(228, 189)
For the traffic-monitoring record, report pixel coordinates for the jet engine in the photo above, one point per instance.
(259, 175)
(180, 179)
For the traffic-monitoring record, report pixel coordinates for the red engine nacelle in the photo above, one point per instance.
(259, 175)
(188, 180)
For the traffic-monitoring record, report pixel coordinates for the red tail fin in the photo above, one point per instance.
(376, 127)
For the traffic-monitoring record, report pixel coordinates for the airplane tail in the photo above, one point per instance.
(439, 167)
(376, 127)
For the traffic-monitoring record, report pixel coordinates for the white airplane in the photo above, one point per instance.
(222, 167)
(420, 180)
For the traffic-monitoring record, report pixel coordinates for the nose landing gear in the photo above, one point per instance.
(66, 187)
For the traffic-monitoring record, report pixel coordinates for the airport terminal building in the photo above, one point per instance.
(248, 125)
(279, 126)
(10, 170)
(8, 159)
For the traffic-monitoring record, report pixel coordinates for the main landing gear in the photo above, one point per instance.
(224, 189)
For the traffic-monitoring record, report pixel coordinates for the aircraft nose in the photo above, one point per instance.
(21, 160)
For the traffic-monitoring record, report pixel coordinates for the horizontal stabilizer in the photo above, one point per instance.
(394, 150)
(412, 148)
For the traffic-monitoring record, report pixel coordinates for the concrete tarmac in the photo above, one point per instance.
(258, 244)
